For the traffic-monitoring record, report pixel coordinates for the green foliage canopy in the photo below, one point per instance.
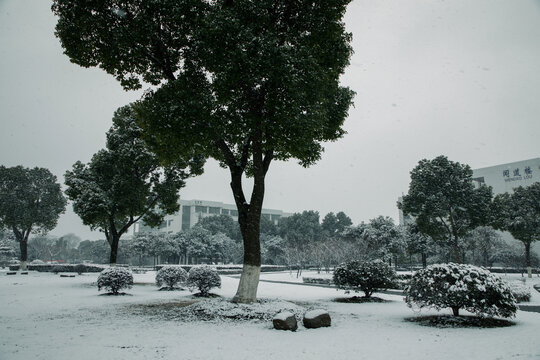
(31, 200)
(445, 202)
(125, 182)
(519, 214)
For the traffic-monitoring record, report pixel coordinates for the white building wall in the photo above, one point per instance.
(504, 178)
(191, 211)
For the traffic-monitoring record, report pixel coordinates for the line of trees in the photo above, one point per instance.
(300, 240)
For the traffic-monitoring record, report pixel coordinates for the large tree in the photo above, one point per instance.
(445, 201)
(125, 183)
(242, 81)
(31, 201)
(519, 214)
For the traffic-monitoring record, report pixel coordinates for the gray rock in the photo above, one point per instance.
(317, 318)
(285, 321)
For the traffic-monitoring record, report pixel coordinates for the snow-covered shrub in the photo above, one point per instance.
(36, 262)
(461, 286)
(114, 279)
(203, 278)
(521, 292)
(368, 276)
(170, 276)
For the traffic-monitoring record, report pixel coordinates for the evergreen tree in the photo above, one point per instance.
(519, 214)
(445, 202)
(31, 201)
(242, 81)
(125, 183)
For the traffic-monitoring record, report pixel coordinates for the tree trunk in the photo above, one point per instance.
(455, 248)
(424, 260)
(113, 242)
(249, 218)
(249, 280)
(455, 310)
(23, 245)
(528, 259)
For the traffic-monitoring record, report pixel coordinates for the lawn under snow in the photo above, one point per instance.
(44, 316)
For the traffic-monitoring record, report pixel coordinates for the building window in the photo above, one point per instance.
(213, 210)
(186, 217)
(201, 209)
(234, 212)
(225, 212)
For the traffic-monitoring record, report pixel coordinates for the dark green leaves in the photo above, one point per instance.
(30, 199)
(126, 181)
(263, 73)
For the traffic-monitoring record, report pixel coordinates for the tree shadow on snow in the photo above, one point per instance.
(361, 300)
(450, 321)
(117, 294)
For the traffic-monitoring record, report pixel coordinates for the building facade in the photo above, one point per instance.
(191, 211)
(504, 178)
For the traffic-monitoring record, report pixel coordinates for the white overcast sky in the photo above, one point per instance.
(456, 77)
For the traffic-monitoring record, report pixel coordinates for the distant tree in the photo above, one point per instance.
(333, 224)
(273, 249)
(244, 82)
(514, 257)
(384, 240)
(125, 183)
(519, 214)
(445, 202)
(221, 224)
(31, 201)
(482, 244)
(300, 229)
(417, 243)
(8, 247)
(94, 250)
(220, 247)
(42, 247)
(268, 227)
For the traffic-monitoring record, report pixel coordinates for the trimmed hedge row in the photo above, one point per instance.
(70, 268)
(227, 269)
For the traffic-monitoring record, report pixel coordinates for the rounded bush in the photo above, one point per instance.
(170, 276)
(203, 278)
(460, 286)
(115, 279)
(368, 276)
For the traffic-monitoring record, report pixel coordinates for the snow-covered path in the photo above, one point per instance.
(43, 316)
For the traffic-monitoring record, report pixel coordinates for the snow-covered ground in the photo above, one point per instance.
(44, 316)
